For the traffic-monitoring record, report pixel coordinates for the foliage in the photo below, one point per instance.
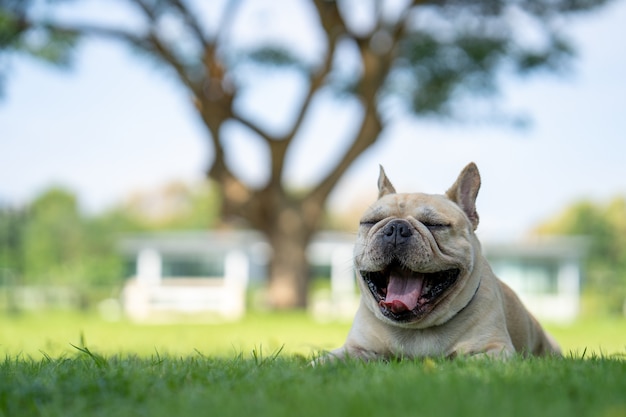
(12, 224)
(53, 243)
(174, 206)
(605, 227)
(55, 247)
(43, 43)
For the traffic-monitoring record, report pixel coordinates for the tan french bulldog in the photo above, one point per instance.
(426, 289)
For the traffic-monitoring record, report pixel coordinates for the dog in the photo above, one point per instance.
(426, 289)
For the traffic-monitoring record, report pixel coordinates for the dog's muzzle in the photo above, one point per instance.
(405, 295)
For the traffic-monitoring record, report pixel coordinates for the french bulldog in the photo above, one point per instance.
(426, 289)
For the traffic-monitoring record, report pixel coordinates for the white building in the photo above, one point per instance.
(209, 273)
(546, 274)
(188, 273)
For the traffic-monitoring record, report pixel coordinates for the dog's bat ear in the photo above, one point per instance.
(384, 185)
(465, 190)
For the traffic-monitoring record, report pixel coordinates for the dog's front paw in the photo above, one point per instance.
(499, 351)
(347, 353)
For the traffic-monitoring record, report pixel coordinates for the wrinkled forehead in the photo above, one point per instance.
(418, 205)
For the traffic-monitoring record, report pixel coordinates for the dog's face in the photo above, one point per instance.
(415, 253)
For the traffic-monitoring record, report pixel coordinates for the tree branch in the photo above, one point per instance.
(376, 67)
(164, 52)
(236, 195)
(254, 128)
(316, 81)
(150, 43)
(227, 18)
(334, 27)
(367, 136)
(330, 17)
(146, 9)
(192, 22)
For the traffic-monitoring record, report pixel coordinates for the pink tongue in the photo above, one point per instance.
(403, 291)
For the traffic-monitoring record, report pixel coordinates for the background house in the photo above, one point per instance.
(210, 273)
(546, 273)
(190, 273)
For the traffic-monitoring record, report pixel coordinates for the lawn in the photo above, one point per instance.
(296, 333)
(91, 385)
(260, 367)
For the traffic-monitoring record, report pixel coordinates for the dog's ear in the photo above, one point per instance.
(384, 185)
(465, 190)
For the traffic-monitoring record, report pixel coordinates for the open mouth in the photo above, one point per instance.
(404, 295)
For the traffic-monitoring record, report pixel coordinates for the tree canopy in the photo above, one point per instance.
(604, 225)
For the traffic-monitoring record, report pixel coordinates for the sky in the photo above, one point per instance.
(112, 125)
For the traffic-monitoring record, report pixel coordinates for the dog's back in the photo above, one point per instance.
(526, 333)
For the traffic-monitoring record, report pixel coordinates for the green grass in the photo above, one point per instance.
(605, 336)
(92, 385)
(73, 365)
(53, 333)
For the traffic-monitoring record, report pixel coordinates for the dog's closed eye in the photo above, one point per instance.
(436, 225)
(368, 223)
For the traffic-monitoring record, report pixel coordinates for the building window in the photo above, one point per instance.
(531, 277)
(192, 266)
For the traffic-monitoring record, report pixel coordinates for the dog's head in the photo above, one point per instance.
(415, 253)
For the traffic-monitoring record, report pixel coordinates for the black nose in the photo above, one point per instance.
(397, 232)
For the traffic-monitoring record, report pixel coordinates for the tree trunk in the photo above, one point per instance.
(288, 270)
(288, 228)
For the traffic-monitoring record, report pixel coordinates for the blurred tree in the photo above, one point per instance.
(605, 226)
(54, 240)
(17, 34)
(385, 57)
(60, 246)
(52, 243)
(175, 206)
(12, 225)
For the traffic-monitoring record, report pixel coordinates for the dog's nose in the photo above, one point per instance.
(397, 232)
